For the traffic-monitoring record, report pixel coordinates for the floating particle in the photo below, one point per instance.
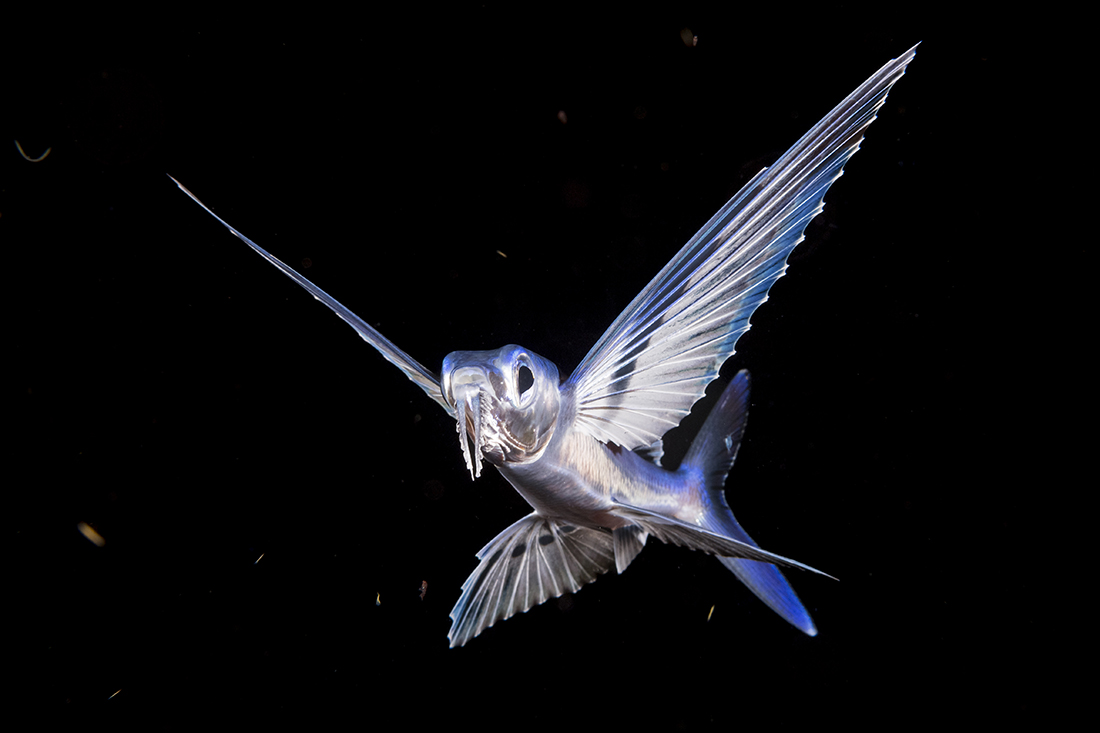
(27, 157)
(91, 535)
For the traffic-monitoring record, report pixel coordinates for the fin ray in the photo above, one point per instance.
(533, 560)
(420, 375)
(676, 532)
(657, 358)
(629, 541)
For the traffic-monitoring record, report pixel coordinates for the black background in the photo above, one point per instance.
(200, 411)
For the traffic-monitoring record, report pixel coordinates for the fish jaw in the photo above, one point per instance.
(506, 404)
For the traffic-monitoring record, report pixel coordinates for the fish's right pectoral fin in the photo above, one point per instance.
(420, 375)
(532, 561)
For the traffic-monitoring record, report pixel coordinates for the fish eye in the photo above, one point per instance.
(525, 379)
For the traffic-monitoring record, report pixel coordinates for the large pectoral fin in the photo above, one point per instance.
(419, 374)
(530, 562)
(675, 532)
(657, 358)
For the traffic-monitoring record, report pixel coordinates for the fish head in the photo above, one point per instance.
(506, 402)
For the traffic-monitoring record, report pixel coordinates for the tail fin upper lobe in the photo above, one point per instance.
(711, 455)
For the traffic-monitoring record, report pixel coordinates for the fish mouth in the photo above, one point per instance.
(498, 417)
(477, 423)
(468, 412)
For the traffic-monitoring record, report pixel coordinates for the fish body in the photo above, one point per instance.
(585, 452)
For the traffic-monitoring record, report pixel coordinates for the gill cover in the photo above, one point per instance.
(505, 401)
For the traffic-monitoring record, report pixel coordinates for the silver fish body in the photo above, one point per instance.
(585, 452)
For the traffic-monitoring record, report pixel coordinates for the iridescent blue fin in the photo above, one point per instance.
(711, 455)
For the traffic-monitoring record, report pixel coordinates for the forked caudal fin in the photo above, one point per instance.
(712, 453)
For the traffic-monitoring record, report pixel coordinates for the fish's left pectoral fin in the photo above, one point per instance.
(675, 532)
(532, 561)
(656, 360)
